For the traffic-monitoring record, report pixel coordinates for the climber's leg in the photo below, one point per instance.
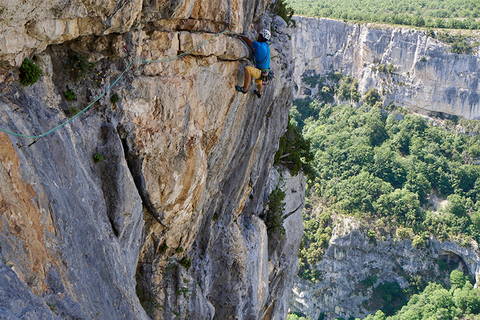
(259, 90)
(246, 82)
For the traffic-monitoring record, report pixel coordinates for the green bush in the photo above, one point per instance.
(457, 205)
(29, 72)
(348, 89)
(419, 241)
(460, 44)
(386, 68)
(97, 157)
(458, 279)
(114, 98)
(185, 262)
(312, 79)
(274, 213)
(372, 97)
(282, 9)
(294, 151)
(78, 65)
(401, 204)
(69, 95)
(404, 233)
(293, 316)
(72, 111)
(304, 109)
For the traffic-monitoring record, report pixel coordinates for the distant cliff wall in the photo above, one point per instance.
(424, 74)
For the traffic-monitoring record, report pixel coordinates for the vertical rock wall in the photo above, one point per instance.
(164, 224)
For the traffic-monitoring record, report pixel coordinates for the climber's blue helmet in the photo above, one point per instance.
(265, 34)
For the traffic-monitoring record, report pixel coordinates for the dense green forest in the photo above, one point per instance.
(460, 301)
(455, 14)
(387, 167)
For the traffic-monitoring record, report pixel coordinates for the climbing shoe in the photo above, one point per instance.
(257, 93)
(240, 89)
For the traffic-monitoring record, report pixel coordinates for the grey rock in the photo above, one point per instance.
(428, 77)
(18, 302)
(167, 226)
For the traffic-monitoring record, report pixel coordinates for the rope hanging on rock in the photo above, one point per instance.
(107, 89)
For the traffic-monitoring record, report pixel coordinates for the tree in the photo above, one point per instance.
(458, 205)
(358, 193)
(400, 204)
(457, 279)
(372, 97)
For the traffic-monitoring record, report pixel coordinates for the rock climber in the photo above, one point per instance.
(261, 71)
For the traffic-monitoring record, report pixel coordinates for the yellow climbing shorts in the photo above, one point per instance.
(255, 74)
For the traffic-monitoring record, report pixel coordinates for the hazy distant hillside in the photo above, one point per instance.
(456, 14)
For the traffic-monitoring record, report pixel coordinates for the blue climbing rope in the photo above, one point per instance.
(104, 93)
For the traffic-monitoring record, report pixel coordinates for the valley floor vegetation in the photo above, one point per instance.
(460, 301)
(385, 167)
(453, 14)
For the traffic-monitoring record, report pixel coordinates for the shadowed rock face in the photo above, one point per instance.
(167, 225)
(426, 75)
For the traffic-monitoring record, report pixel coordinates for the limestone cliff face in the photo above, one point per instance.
(355, 266)
(167, 225)
(426, 76)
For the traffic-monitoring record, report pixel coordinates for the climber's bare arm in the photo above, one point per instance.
(247, 41)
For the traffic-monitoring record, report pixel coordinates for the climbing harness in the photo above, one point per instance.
(108, 88)
(267, 75)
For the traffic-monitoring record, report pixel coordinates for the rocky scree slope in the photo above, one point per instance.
(167, 224)
(408, 67)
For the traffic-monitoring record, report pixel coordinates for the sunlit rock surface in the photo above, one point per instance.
(426, 75)
(165, 222)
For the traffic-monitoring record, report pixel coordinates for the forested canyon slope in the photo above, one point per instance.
(393, 201)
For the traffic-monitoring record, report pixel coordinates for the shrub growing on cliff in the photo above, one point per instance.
(294, 316)
(69, 95)
(98, 157)
(185, 262)
(460, 44)
(294, 151)
(29, 72)
(274, 213)
(348, 89)
(114, 98)
(78, 65)
(282, 9)
(372, 97)
(72, 111)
